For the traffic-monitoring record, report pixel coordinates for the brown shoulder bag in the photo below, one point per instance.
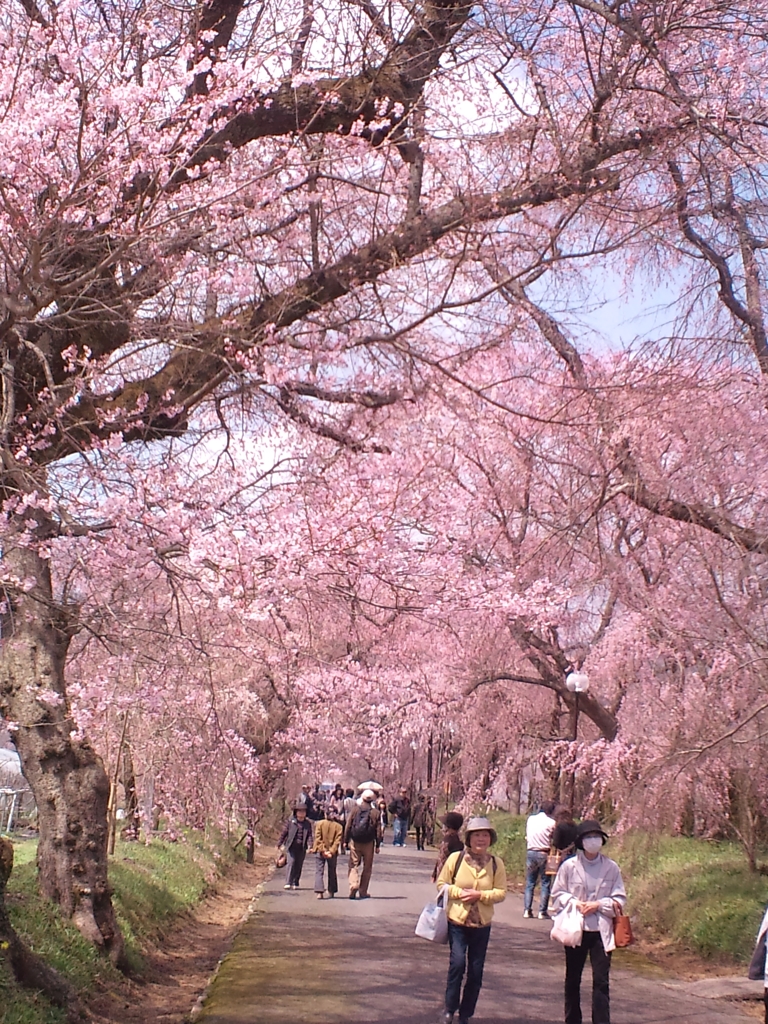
(622, 927)
(554, 860)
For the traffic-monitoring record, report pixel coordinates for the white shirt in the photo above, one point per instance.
(763, 928)
(538, 831)
(594, 870)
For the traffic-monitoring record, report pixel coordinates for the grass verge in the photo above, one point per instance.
(696, 894)
(152, 886)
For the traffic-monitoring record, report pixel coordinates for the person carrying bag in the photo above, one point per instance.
(433, 920)
(476, 880)
(758, 965)
(589, 886)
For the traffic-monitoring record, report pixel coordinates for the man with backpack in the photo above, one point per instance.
(362, 834)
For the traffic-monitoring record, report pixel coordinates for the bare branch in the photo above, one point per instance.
(710, 519)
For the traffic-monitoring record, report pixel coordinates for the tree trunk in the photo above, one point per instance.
(66, 775)
(132, 817)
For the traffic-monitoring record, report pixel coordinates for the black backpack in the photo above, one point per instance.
(364, 825)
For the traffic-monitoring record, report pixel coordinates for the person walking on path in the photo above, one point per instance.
(295, 840)
(350, 806)
(326, 849)
(593, 882)
(419, 820)
(476, 880)
(758, 968)
(335, 805)
(362, 835)
(429, 825)
(451, 842)
(538, 837)
(400, 809)
(381, 803)
(564, 836)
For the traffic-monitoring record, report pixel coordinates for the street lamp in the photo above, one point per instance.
(414, 747)
(576, 682)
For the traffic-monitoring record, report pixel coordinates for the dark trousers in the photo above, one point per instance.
(468, 949)
(419, 836)
(333, 883)
(295, 855)
(575, 958)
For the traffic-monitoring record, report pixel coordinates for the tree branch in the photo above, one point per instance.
(636, 490)
(336, 104)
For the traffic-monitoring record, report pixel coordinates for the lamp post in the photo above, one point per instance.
(414, 748)
(576, 683)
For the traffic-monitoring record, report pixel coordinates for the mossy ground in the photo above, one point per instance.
(152, 885)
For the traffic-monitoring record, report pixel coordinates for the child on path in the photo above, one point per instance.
(326, 848)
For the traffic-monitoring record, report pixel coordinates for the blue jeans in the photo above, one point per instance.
(468, 949)
(535, 863)
(400, 829)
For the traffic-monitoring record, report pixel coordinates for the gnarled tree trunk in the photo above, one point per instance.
(65, 774)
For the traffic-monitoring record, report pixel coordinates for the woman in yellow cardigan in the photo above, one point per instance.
(476, 880)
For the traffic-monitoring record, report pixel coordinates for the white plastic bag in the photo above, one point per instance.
(568, 926)
(433, 920)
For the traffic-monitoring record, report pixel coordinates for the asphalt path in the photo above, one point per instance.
(299, 960)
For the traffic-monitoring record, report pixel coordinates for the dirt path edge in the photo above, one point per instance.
(181, 969)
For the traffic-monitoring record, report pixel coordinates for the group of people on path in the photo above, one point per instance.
(341, 822)
(587, 883)
(551, 829)
(473, 880)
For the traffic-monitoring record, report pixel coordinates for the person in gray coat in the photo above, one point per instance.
(593, 882)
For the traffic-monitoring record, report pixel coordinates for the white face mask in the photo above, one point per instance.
(592, 844)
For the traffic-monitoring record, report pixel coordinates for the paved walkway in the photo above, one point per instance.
(299, 960)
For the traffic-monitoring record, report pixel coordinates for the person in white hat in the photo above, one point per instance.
(476, 880)
(362, 834)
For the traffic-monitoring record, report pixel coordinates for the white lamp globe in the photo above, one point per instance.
(577, 682)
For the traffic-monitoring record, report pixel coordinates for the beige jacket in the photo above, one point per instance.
(327, 837)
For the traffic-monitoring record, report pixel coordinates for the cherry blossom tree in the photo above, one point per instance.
(215, 211)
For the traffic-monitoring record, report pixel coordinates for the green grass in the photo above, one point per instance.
(511, 844)
(152, 886)
(698, 894)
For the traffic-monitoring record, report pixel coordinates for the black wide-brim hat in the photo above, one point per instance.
(587, 827)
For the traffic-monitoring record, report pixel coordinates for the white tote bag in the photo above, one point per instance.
(568, 926)
(433, 920)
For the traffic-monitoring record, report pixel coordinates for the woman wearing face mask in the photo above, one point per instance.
(593, 882)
